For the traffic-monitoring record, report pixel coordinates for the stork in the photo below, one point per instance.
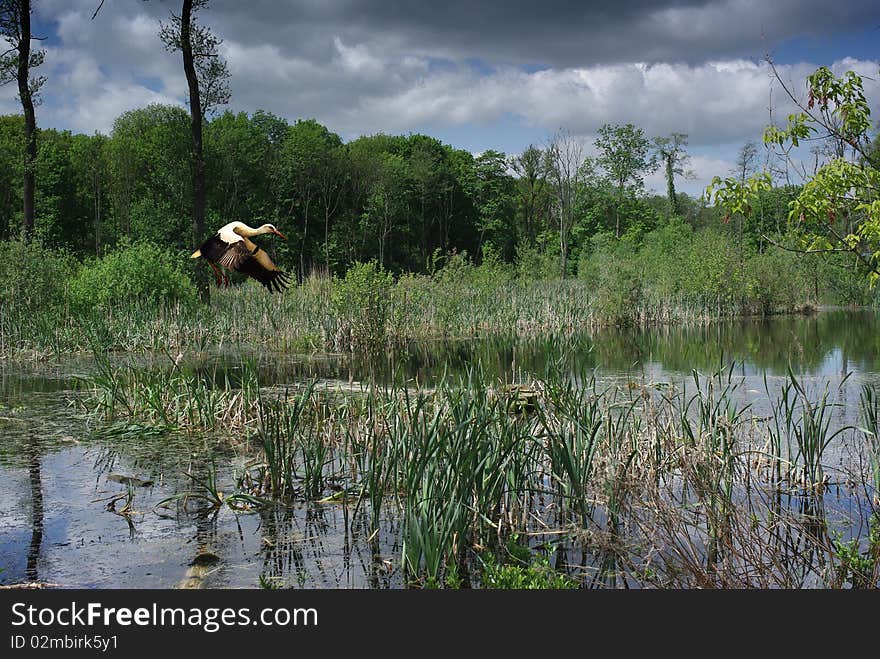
(232, 249)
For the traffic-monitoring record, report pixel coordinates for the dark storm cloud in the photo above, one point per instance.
(502, 71)
(550, 33)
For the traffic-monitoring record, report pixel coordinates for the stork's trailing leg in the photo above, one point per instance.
(218, 274)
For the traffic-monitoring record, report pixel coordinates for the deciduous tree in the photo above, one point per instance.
(625, 155)
(670, 151)
(15, 64)
(207, 79)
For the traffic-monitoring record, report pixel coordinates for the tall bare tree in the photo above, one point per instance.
(16, 64)
(564, 160)
(208, 80)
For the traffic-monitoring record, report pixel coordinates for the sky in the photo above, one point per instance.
(477, 75)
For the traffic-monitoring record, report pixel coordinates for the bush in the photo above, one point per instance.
(612, 270)
(33, 277)
(140, 273)
(773, 282)
(537, 262)
(361, 301)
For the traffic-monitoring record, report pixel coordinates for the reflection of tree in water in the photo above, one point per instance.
(296, 551)
(767, 344)
(36, 483)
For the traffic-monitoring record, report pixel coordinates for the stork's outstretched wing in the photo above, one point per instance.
(256, 264)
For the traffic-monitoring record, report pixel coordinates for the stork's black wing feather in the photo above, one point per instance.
(237, 256)
(273, 280)
(214, 248)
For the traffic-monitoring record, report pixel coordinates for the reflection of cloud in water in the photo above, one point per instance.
(85, 545)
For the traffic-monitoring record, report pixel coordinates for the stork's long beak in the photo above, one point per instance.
(281, 235)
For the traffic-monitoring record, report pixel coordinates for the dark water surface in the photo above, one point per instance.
(57, 475)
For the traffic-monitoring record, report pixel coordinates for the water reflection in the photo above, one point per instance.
(36, 482)
(56, 468)
(828, 344)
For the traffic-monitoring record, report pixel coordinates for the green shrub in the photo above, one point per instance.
(361, 301)
(613, 271)
(140, 273)
(537, 575)
(773, 282)
(33, 277)
(713, 267)
(537, 261)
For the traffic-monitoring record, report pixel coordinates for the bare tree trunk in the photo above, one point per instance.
(670, 184)
(195, 111)
(30, 120)
(97, 191)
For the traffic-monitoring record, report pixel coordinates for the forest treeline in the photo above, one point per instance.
(410, 202)
(406, 202)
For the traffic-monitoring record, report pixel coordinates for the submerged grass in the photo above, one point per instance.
(635, 485)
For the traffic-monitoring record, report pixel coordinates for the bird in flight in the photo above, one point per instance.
(232, 249)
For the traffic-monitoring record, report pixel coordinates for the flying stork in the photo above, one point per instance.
(232, 249)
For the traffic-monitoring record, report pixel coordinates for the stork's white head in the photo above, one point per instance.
(270, 228)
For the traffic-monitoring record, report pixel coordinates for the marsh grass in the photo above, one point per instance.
(364, 311)
(800, 433)
(171, 397)
(870, 409)
(636, 484)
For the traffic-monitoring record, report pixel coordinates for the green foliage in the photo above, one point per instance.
(674, 267)
(33, 278)
(11, 164)
(536, 261)
(361, 301)
(138, 274)
(837, 210)
(536, 575)
(624, 154)
(855, 567)
(613, 271)
(737, 196)
(773, 281)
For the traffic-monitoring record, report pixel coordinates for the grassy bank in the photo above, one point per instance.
(140, 299)
(557, 480)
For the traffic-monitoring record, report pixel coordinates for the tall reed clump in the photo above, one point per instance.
(870, 408)
(307, 447)
(171, 396)
(572, 422)
(460, 470)
(710, 421)
(799, 434)
(295, 452)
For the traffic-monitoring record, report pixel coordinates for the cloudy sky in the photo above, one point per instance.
(477, 75)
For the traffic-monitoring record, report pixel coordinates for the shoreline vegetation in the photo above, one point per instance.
(140, 298)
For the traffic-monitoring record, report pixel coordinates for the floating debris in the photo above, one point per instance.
(130, 480)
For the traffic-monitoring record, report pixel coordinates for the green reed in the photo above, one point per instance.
(800, 433)
(870, 411)
(651, 485)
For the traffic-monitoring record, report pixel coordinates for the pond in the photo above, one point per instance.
(63, 483)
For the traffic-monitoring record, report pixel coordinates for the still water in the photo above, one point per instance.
(62, 483)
